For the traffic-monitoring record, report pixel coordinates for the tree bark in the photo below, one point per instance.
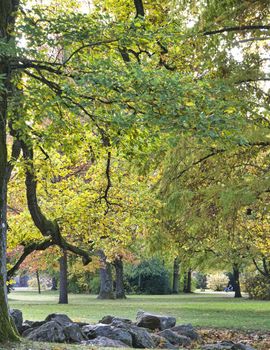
(54, 283)
(236, 276)
(63, 285)
(38, 282)
(119, 278)
(176, 268)
(106, 281)
(8, 9)
(187, 282)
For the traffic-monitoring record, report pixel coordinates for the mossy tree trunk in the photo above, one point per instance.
(7, 18)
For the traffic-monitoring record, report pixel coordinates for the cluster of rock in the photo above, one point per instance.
(149, 331)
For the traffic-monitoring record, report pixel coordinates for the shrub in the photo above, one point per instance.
(149, 277)
(217, 281)
(258, 287)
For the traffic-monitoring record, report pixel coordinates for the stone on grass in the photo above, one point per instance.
(24, 327)
(107, 331)
(110, 319)
(73, 333)
(227, 345)
(48, 332)
(187, 330)
(61, 319)
(175, 338)
(153, 321)
(17, 318)
(162, 343)
(141, 338)
(105, 342)
(241, 346)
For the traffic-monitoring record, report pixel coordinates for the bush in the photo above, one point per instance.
(200, 280)
(83, 283)
(258, 287)
(217, 282)
(149, 277)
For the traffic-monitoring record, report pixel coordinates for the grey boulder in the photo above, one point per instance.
(227, 345)
(162, 343)
(17, 317)
(73, 333)
(140, 336)
(153, 321)
(48, 332)
(187, 330)
(61, 319)
(107, 331)
(110, 319)
(175, 338)
(105, 342)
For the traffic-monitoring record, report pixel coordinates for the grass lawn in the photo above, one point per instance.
(203, 310)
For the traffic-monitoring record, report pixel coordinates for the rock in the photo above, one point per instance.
(25, 326)
(81, 324)
(175, 338)
(106, 319)
(140, 336)
(35, 324)
(107, 331)
(224, 345)
(214, 347)
(162, 343)
(105, 342)
(152, 321)
(109, 319)
(73, 333)
(61, 319)
(26, 332)
(241, 346)
(17, 318)
(48, 332)
(187, 330)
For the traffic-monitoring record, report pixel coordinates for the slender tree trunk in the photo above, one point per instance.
(119, 279)
(236, 276)
(106, 281)
(63, 286)
(187, 282)
(176, 268)
(38, 282)
(54, 283)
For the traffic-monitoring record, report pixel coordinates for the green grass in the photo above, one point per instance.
(203, 310)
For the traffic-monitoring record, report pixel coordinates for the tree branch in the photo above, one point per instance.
(27, 251)
(237, 29)
(259, 269)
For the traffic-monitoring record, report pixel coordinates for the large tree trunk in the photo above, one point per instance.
(63, 285)
(7, 13)
(236, 277)
(176, 268)
(119, 278)
(54, 283)
(106, 281)
(187, 282)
